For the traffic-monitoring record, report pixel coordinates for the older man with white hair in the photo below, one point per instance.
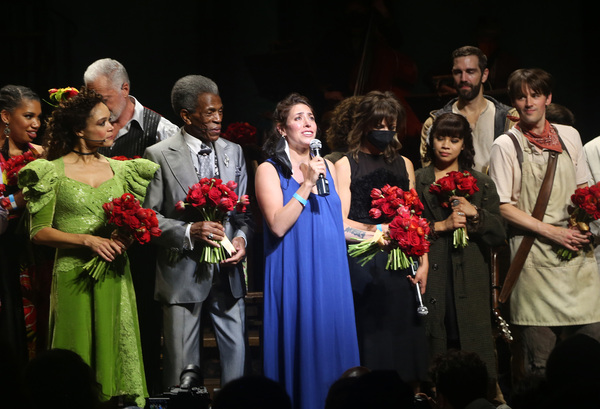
(137, 127)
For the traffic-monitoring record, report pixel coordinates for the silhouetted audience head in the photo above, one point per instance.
(460, 377)
(573, 373)
(355, 372)
(529, 393)
(378, 389)
(340, 394)
(252, 392)
(60, 379)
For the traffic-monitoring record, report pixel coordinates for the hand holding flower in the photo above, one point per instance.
(209, 232)
(585, 209)
(133, 223)
(240, 252)
(108, 249)
(214, 200)
(456, 220)
(462, 205)
(453, 190)
(570, 238)
(122, 239)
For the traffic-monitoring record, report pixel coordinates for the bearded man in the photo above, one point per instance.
(487, 116)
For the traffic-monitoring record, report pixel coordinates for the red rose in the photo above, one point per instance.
(388, 210)
(447, 184)
(375, 213)
(231, 185)
(226, 205)
(435, 188)
(214, 195)
(375, 193)
(142, 235)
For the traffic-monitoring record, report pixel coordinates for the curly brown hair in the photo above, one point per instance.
(342, 120)
(68, 118)
(373, 109)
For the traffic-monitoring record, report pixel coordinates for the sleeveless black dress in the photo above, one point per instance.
(391, 335)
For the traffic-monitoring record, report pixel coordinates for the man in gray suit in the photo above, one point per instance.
(184, 285)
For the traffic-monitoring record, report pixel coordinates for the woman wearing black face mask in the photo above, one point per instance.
(390, 332)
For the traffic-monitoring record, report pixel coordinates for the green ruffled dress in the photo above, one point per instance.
(97, 320)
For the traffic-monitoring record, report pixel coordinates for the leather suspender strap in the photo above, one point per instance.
(538, 212)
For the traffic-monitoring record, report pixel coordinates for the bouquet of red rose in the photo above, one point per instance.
(10, 173)
(214, 200)
(455, 184)
(407, 230)
(586, 209)
(241, 133)
(132, 221)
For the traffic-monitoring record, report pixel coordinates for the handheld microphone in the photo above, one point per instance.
(322, 183)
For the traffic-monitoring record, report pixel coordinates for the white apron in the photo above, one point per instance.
(551, 292)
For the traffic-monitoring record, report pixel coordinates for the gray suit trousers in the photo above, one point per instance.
(182, 335)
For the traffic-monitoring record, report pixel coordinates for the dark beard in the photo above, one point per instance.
(471, 94)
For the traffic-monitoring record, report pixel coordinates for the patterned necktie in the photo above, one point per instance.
(206, 165)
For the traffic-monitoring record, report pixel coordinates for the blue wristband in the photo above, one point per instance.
(12, 202)
(300, 199)
(379, 227)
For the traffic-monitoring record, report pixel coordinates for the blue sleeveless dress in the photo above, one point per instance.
(309, 328)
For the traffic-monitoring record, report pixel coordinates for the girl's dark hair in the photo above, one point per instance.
(69, 117)
(280, 116)
(454, 126)
(11, 96)
(373, 109)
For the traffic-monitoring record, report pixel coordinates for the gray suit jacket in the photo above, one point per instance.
(185, 280)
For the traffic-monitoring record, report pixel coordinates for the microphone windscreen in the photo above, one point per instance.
(315, 144)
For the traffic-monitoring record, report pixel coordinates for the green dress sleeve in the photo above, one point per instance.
(38, 181)
(138, 174)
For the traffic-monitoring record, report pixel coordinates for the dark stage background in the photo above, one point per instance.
(258, 51)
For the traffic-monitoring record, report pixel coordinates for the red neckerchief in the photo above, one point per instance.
(548, 139)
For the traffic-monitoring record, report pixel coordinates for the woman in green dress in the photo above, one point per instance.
(65, 192)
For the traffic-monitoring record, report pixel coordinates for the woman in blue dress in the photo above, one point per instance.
(309, 327)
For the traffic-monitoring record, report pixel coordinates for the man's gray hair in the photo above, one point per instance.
(187, 89)
(109, 68)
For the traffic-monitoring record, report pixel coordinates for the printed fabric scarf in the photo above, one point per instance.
(548, 139)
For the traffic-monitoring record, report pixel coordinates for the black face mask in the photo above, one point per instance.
(380, 138)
